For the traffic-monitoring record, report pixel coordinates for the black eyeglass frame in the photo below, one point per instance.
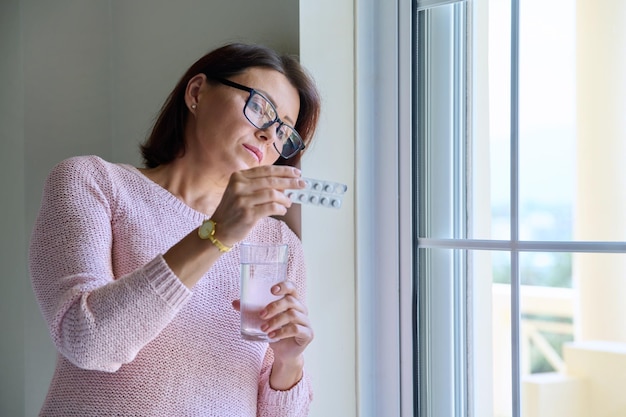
(297, 146)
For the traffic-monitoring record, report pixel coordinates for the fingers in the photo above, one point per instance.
(265, 199)
(257, 181)
(290, 299)
(287, 317)
(289, 323)
(302, 335)
(272, 176)
(286, 309)
(251, 195)
(272, 170)
(285, 288)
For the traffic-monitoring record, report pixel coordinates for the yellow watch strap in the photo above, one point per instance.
(222, 247)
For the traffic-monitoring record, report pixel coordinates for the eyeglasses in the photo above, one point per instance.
(260, 111)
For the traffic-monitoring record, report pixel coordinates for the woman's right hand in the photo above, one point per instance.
(251, 195)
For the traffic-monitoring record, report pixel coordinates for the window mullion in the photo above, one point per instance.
(514, 190)
(461, 181)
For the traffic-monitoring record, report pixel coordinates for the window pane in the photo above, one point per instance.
(600, 128)
(573, 341)
(547, 129)
(571, 333)
(498, 159)
(572, 105)
(500, 338)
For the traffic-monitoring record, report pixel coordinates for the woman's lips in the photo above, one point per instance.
(255, 151)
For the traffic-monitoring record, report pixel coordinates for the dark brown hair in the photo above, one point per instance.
(167, 141)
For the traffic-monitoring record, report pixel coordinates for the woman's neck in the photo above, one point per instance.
(197, 188)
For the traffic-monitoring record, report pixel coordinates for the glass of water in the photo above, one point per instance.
(263, 265)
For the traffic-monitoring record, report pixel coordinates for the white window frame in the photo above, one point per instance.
(384, 248)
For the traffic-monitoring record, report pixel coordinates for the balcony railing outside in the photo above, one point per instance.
(585, 376)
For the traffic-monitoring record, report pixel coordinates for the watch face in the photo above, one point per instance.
(206, 229)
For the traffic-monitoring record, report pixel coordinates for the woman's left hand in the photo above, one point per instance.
(287, 323)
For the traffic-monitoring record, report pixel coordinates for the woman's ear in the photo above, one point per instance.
(192, 92)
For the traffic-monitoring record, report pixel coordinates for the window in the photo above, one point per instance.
(517, 174)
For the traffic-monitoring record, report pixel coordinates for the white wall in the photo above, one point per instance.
(327, 50)
(87, 78)
(12, 220)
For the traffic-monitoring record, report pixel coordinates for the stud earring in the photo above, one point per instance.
(193, 106)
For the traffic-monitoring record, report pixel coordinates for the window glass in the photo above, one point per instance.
(499, 379)
(571, 134)
(572, 333)
(498, 108)
(547, 115)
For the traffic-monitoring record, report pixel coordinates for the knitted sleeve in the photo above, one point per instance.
(296, 401)
(96, 321)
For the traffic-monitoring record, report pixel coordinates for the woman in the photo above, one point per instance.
(136, 271)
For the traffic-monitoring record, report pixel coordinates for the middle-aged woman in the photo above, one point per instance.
(136, 271)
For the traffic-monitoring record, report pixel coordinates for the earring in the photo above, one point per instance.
(193, 106)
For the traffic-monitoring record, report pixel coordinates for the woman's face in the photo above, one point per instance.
(220, 133)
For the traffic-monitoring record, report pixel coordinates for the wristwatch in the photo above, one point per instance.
(207, 231)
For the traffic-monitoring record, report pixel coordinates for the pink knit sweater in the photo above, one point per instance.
(132, 339)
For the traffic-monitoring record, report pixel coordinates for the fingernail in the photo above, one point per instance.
(275, 289)
(265, 327)
(263, 313)
(301, 183)
(272, 335)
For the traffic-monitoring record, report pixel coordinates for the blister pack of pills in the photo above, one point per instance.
(319, 193)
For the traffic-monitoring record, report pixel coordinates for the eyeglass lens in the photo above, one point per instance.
(262, 114)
